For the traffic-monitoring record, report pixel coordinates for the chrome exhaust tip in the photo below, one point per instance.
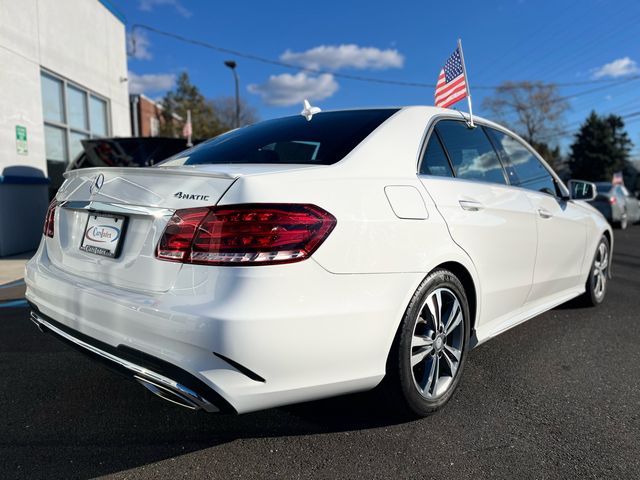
(37, 323)
(167, 394)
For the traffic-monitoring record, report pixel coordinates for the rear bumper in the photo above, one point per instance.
(134, 364)
(255, 337)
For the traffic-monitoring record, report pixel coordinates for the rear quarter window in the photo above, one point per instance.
(435, 161)
(324, 140)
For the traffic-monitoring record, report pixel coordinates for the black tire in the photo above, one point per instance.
(400, 384)
(591, 296)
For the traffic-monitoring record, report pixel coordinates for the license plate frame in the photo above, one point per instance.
(109, 224)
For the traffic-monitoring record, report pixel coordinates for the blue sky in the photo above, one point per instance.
(560, 41)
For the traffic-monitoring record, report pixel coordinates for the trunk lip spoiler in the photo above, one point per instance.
(150, 171)
(110, 207)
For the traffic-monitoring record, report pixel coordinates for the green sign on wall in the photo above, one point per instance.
(21, 140)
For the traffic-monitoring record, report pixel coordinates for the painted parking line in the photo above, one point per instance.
(14, 304)
(15, 283)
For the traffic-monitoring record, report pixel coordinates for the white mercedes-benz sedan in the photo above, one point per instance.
(315, 255)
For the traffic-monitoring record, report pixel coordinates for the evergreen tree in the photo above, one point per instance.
(184, 97)
(600, 149)
(552, 155)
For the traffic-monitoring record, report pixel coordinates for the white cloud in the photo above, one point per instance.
(617, 68)
(150, 82)
(138, 45)
(286, 89)
(334, 57)
(149, 5)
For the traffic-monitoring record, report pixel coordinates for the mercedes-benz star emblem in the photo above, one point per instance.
(97, 184)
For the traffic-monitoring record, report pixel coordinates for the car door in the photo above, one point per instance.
(561, 223)
(491, 221)
(633, 206)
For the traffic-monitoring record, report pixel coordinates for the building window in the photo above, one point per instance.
(154, 126)
(71, 114)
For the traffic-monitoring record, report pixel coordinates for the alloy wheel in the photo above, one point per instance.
(437, 343)
(600, 271)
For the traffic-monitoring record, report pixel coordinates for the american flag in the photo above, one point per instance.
(452, 85)
(617, 178)
(187, 129)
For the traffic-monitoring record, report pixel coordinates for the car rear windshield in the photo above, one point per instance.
(325, 139)
(603, 187)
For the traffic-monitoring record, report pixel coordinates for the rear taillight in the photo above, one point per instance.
(613, 200)
(252, 234)
(48, 228)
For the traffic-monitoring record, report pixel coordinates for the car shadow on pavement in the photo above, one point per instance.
(64, 416)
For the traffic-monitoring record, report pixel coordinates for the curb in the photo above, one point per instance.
(12, 291)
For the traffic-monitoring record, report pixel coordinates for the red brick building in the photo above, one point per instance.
(146, 117)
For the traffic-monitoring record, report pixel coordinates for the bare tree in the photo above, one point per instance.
(535, 110)
(225, 111)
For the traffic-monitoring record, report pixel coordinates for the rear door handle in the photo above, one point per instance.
(471, 205)
(544, 213)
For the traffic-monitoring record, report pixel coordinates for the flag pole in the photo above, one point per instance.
(189, 142)
(466, 83)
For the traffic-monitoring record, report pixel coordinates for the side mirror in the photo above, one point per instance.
(581, 190)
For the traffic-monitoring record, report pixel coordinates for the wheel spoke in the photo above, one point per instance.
(436, 375)
(455, 353)
(453, 322)
(421, 341)
(454, 319)
(453, 365)
(418, 357)
(434, 303)
(431, 376)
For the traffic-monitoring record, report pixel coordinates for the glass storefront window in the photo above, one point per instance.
(75, 146)
(71, 114)
(77, 108)
(55, 143)
(98, 110)
(52, 99)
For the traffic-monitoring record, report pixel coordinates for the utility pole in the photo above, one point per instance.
(232, 65)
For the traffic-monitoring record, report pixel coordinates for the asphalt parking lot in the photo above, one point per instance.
(557, 397)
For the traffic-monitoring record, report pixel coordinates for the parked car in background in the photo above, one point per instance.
(127, 151)
(123, 152)
(618, 206)
(306, 257)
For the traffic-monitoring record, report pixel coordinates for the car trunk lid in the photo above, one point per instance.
(133, 204)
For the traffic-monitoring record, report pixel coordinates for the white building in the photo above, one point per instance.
(63, 69)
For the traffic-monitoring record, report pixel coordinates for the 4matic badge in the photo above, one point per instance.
(191, 196)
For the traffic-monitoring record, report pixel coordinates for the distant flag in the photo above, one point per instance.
(617, 179)
(452, 83)
(187, 130)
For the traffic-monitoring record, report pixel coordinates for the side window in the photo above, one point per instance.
(435, 161)
(523, 167)
(470, 151)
